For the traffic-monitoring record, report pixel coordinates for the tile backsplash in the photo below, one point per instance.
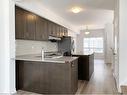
(34, 47)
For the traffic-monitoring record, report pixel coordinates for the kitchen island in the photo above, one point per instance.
(47, 76)
(85, 65)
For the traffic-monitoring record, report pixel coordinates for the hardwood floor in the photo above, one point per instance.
(101, 82)
(20, 92)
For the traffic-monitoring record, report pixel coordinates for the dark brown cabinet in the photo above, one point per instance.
(30, 26)
(46, 77)
(50, 28)
(54, 29)
(85, 66)
(20, 23)
(41, 29)
(66, 32)
(25, 24)
(29, 34)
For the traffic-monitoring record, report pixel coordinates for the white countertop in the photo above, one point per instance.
(83, 53)
(32, 57)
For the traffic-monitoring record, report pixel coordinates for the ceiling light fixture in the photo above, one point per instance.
(87, 31)
(76, 10)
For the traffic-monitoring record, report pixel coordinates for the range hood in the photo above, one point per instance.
(54, 39)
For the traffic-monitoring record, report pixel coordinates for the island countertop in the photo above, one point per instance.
(83, 53)
(32, 57)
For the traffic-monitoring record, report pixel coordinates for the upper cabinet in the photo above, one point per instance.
(30, 26)
(41, 29)
(20, 24)
(29, 34)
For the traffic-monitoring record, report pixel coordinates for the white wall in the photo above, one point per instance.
(115, 65)
(108, 43)
(122, 42)
(93, 33)
(34, 47)
(121, 28)
(7, 63)
(79, 41)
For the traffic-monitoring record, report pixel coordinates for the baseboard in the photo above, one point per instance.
(13, 92)
(8, 93)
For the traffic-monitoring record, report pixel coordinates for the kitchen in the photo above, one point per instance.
(43, 48)
(54, 47)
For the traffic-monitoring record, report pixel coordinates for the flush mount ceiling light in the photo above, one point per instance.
(76, 9)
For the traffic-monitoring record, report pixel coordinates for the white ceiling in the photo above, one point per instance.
(95, 12)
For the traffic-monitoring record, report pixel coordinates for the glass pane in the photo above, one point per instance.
(98, 50)
(93, 45)
(86, 50)
(86, 42)
(91, 42)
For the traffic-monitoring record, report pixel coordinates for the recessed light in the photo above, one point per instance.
(87, 33)
(76, 9)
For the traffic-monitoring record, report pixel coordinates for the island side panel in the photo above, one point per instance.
(91, 65)
(85, 66)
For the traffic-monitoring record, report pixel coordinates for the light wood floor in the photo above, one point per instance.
(101, 82)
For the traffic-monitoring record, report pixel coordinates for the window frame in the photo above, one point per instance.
(92, 44)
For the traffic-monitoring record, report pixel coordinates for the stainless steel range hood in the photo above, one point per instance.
(54, 39)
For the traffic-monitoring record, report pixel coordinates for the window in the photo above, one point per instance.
(93, 45)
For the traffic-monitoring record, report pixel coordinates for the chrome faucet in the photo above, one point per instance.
(42, 53)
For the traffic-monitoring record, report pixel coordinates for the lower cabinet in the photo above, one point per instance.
(27, 76)
(47, 78)
(85, 66)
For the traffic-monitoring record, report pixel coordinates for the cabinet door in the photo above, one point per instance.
(54, 29)
(28, 76)
(58, 30)
(62, 32)
(41, 29)
(50, 28)
(74, 76)
(20, 23)
(45, 31)
(66, 32)
(30, 26)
